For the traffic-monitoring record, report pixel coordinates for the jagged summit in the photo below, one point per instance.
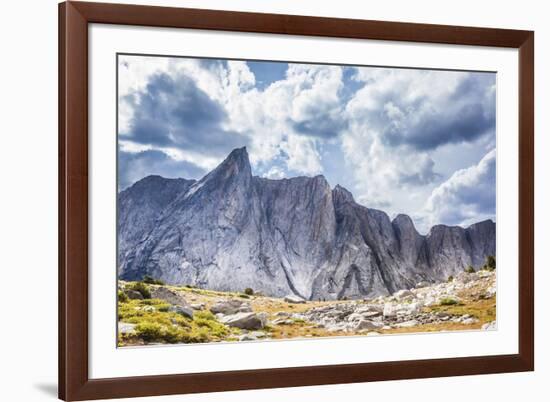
(486, 222)
(236, 163)
(341, 194)
(238, 156)
(404, 223)
(231, 230)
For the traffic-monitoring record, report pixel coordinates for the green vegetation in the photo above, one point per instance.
(205, 319)
(159, 305)
(470, 270)
(152, 281)
(122, 296)
(249, 291)
(447, 301)
(484, 310)
(298, 321)
(491, 263)
(450, 278)
(141, 288)
(156, 324)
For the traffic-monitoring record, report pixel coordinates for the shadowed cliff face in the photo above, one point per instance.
(231, 230)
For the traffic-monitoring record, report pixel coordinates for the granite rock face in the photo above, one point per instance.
(141, 205)
(231, 230)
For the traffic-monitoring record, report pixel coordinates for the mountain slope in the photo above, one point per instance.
(231, 230)
(140, 205)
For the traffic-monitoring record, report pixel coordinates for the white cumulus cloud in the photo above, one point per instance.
(467, 196)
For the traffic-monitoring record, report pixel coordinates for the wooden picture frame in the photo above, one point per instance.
(74, 381)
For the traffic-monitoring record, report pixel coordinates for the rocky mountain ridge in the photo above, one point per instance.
(232, 230)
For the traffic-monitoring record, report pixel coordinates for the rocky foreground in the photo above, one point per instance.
(157, 314)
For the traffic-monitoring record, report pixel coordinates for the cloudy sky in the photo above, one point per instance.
(419, 142)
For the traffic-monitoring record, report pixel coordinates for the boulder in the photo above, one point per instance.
(470, 321)
(414, 308)
(185, 311)
(245, 320)
(282, 314)
(294, 299)
(371, 314)
(197, 306)
(247, 337)
(354, 317)
(169, 296)
(404, 294)
(229, 307)
(258, 334)
(126, 328)
(335, 327)
(408, 324)
(422, 284)
(389, 310)
(371, 307)
(365, 324)
(282, 321)
(133, 294)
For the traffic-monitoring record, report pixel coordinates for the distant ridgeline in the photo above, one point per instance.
(231, 230)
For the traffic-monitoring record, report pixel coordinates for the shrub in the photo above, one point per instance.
(491, 262)
(154, 332)
(152, 281)
(122, 298)
(450, 278)
(149, 331)
(208, 324)
(249, 291)
(244, 296)
(163, 307)
(447, 301)
(205, 315)
(470, 270)
(158, 304)
(141, 288)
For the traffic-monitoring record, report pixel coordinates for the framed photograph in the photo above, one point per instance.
(260, 200)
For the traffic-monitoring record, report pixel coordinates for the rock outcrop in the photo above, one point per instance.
(231, 230)
(405, 308)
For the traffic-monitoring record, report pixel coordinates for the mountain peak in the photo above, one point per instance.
(486, 222)
(403, 220)
(405, 226)
(238, 158)
(238, 153)
(236, 164)
(341, 194)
